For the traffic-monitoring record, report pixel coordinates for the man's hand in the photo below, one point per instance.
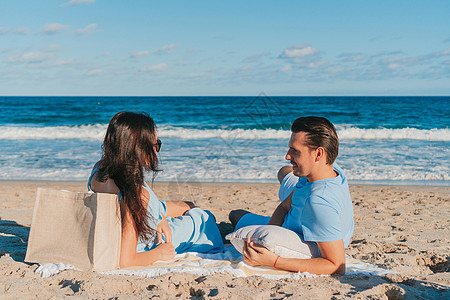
(331, 262)
(163, 228)
(256, 255)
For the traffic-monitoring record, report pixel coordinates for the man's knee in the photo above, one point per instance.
(235, 215)
(283, 172)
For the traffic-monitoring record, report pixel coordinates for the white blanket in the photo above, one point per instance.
(229, 261)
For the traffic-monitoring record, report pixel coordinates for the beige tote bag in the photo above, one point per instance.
(82, 229)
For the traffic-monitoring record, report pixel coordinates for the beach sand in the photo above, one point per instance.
(401, 228)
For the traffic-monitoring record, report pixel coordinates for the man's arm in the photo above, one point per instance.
(331, 262)
(281, 211)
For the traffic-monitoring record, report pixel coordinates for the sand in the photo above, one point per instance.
(401, 228)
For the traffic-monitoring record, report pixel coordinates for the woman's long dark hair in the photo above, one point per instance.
(128, 152)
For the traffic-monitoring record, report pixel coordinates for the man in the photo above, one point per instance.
(316, 202)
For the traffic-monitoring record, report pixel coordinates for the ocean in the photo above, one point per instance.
(383, 140)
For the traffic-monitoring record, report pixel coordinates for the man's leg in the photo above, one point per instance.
(288, 181)
(235, 215)
(283, 172)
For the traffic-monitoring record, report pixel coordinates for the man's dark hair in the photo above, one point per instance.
(320, 133)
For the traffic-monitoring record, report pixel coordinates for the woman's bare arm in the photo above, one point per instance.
(129, 256)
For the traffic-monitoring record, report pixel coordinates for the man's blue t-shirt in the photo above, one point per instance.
(322, 210)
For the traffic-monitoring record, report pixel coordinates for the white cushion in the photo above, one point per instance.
(283, 242)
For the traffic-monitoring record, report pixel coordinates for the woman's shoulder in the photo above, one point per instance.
(148, 192)
(149, 195)
(97, 182)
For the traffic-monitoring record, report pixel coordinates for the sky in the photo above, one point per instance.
(224, 48)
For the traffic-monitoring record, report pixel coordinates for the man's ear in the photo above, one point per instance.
(320, 154)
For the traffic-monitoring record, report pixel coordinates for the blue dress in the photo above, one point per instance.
(196, 231)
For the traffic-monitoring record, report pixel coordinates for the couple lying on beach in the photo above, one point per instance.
(314, 194)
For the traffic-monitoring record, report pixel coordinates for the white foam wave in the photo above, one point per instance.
(394, 134)
(97, 131)
(82, 132)
(249, 134)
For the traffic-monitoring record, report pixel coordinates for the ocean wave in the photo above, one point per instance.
(356, 133)
(97, 131)
(224, 173)
(227, 134)
(82, 132)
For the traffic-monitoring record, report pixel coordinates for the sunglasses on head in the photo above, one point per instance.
(158, 145)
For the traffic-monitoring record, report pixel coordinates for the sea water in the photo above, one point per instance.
(387, 140)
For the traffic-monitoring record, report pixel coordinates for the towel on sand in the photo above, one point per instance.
(229, 261)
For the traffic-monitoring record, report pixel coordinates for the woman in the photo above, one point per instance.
(151, 229)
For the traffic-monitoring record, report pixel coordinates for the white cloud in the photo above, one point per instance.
(394, 66)
(6, 50)
(78, 2)
(21, 30)
(298, 51)
(194, 75)
(245, 69)
(52, 48)
(103, 54)
(394, 63)
(351, 57)
(4, 30)
(387, 53)
(255, 57)
(139, 54)
(286, 68)
(184, 63)
(95, 72)
(53, 64)
(88, 29)
(31, 57)
(443, 52)
(153, 68)
(334, 69)
(166, 49)
(53, 28)
(316, 64)
(65, 62)
(302, 56)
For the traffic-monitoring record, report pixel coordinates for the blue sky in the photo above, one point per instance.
(111, 47)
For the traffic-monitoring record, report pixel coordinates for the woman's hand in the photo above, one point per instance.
(256, 255)
(163, 228)
(166, 251)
